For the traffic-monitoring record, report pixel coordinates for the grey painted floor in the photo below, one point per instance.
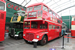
(12, 44)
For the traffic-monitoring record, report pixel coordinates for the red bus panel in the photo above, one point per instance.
(2, 19)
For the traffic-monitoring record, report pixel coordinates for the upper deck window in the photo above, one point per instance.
(32, 14)
(37, 7)
(45, 8)
(57, 16)
(21, 13)
(29, 9)
(74, 19)
(53, 14)
(2, 6)
(14, 19)
(50, 11)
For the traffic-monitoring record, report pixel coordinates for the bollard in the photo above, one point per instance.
(63, 42)
(35, 44)
(0, 42)
(68, 39)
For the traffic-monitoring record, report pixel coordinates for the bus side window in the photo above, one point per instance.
(58, 21)
(45, 8)
(58, 27)
(50, 26)
(54, 14)
(74, 19)
(57, 16)
(50, 11)
(53, 26)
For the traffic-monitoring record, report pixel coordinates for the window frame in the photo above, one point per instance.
(3, 6)
(37, 5)
(30, 8)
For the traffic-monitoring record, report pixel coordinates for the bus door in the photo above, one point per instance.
(54, 31)
(51, 31)
(57, 30)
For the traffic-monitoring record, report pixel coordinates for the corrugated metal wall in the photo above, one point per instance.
(10, 11)
(67, 20)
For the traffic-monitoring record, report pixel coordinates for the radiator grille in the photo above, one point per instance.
(29, 36)
(2, 16)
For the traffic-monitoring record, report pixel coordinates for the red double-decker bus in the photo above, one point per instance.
(73, 27)
(2, 19)
(41, 24)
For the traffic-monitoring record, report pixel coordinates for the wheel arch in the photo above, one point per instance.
(20, 33)
(46, 36)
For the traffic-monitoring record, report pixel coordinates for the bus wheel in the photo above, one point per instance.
(20, 35)
(10, 36)
(43, 41)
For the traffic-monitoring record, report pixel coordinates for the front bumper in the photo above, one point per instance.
(16, 35)
(13, 35)
(35, 40)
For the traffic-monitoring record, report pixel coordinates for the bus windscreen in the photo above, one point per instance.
(2, 6)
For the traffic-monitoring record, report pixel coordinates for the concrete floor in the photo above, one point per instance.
(12, 44)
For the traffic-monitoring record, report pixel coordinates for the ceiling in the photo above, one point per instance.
(62, 7)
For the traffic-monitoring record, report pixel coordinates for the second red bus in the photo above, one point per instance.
(41, 24)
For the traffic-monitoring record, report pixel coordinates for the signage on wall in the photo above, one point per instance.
(14, 7)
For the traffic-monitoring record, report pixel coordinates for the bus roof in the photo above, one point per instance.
(20, 11)
(3, 1)
(37, 4)
(42, 4)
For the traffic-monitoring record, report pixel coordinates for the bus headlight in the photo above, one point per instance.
(23, 34)
(37, 36)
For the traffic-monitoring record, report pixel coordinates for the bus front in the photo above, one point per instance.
(34, 12)
(34, 30)
(2, 19)
(16, 26)
(34, 26)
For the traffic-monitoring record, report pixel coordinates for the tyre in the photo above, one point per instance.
(44, 40)
(21, 35)
(10, 36)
